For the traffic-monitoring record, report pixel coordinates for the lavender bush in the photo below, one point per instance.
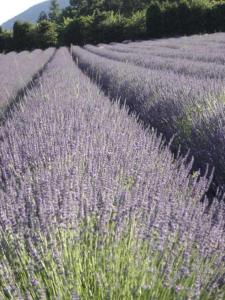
(185, 109)
(192, 48)
(182, 66)
(16, 70)
(95, 206)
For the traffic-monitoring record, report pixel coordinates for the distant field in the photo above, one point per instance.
(93, 203)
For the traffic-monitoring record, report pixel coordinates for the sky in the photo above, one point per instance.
(11, 8)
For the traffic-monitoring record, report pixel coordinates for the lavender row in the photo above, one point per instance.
(199, 53)
(68, 153)
(175, 105)
(179, 66)
(17, 70)
(215, 40)
(68, 133)
(187, 86)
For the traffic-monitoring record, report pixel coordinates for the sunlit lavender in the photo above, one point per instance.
(182, 66)
(175, 100)
(16, 70)
(68, 154)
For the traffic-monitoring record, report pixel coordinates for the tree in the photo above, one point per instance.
(217, 17)
(78, 31)
(46, 34)
(113, 27)
(43, 16)
(127, 7)
(68, 13)
(113, 5)
(6, 41)
(154, 20)
(54, 11)
(23, 38)
(135, 27)
(87, 7)
(2, 46)
(170, 18)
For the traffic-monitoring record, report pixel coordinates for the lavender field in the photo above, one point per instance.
(17, 70)
(179, 96)
(93, 202)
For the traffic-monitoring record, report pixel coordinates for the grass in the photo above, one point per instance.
(91, 263)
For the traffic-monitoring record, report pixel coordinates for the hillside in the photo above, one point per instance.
(33, 13)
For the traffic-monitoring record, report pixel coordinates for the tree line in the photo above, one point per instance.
(104, 21)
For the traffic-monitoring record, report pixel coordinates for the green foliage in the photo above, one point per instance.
(135, 27)
(94, 264)
(43, 16)
(185, 17)
(175, 18)
(216, 17)
(47, 35)
(112, 27)
(54, 11)
(77, 31)
(69, 12)
(2, 41)
(23, 36)
(124, 7)
(6, 41)
(86, 7)
(154, 20)
(102, 27)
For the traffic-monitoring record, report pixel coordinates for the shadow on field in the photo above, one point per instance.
(214, 190)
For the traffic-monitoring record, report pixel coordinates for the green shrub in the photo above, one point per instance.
(23, 36)
(216, 18)
(112, 27)
(135, 27)
(170, 20)
(47, 35)
(154, 20)
(78, 31)
(6, 41)
(185, 17)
